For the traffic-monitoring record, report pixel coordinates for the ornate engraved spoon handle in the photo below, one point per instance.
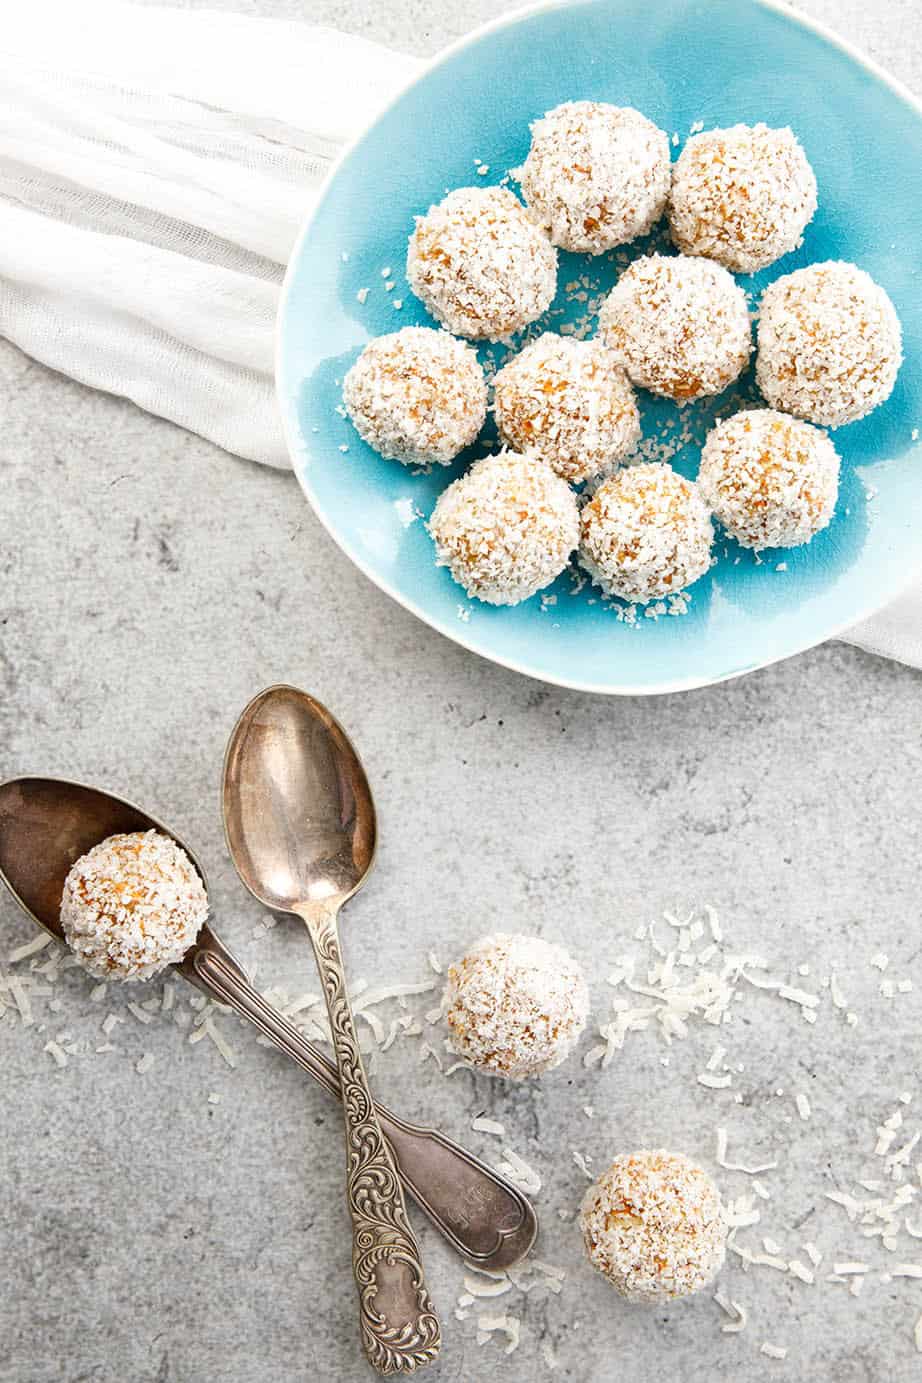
(483, 1217)
(400, 1330)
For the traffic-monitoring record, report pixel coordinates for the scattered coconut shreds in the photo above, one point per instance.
(880, 961)
(29, 948)
(917, 1334)
(21, 999)
(735, 1311)
(145, 1064)
(519, 1172)
(803, 1105)
(906, 1270)
(509, 1325)
(394, 991)
(773, 1351)
(483, 1125)
(799, 1269)
(434, 963)
(582, 1163)
(479, 1287)
(722, 1161)
(713, 1081)
(57, 1053)
(220, 1042)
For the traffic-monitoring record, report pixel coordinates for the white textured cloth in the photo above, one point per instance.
(155, 166)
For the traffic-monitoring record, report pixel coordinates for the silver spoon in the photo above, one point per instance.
(301, 829)
(47, 823)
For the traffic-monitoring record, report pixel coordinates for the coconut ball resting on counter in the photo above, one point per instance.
(132, 905)
(515, 1005)
(571, 401)
(770, 480)
(479, 265)
(829, 344)
(417, 396)
(679, 326)
(506, 528)
(645, 533)
(741, 196)
(654, 1225)
(596, 175)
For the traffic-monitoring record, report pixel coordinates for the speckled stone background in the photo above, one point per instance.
(150, 585)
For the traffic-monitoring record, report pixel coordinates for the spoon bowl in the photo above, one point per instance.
(298, 811)
(48, 823)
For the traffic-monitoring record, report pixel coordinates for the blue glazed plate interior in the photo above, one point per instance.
(683, 63)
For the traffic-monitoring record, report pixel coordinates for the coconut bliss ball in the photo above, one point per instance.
(741, 196)
(654, 1225)
(132, 905)
(770, 479)
(417, 396)
(571, 401)
(515, 1005)
(830, 345)
(480, 266)
(679, 326)
(596, 175)
(506, 528)
(645, 533)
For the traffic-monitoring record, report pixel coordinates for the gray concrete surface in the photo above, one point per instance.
(149, 586)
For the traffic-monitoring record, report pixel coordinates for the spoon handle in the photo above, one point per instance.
(485, 1218)
(400, 1330)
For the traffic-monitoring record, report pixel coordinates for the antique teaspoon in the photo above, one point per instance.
(301, 830)
(47, 823)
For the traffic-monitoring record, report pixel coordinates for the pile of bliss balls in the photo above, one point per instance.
(484, 265)
(653, 1223)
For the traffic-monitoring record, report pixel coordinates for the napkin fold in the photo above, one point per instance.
(155, 167)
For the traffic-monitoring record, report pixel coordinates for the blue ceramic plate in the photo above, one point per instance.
(680, 62)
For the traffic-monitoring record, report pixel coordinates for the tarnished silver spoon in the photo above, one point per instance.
(302, 832)
(48, 823)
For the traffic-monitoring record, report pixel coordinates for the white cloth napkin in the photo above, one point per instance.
(155, 166)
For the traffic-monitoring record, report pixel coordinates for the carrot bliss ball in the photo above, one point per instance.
(132, 905)
(596, 175)
(515, 1005)
(506, 528)
(830, 345)
(645, 533)
(771, 480)
(571, 401)
(654, 1225)
(679, 326)
(479, 265)
(741, 196)
(417, 396)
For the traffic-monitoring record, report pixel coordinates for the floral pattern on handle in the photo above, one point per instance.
(400, 1330)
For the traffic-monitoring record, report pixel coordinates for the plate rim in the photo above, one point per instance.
(295, 444)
